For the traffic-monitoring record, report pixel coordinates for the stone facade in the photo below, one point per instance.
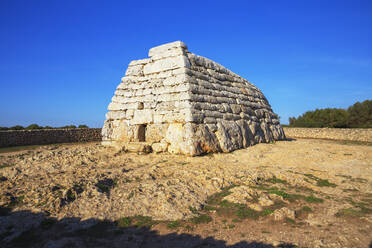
(48, 136)
(350, 134)
(179, 102)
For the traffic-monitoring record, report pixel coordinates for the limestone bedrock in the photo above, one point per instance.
(179, 102)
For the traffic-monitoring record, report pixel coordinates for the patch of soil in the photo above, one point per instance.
(303, 193)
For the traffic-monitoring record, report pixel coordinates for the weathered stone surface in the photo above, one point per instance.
(159, 147)
(197, 105)
(163, 49)
(138, 147)
(281, 214)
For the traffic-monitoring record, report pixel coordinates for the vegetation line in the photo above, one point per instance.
(358, 115)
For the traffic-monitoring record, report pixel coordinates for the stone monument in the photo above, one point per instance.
(179, 102)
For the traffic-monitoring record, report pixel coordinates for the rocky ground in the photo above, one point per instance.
(300, 193)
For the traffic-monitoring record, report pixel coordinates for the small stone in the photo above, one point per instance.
(255, 206)
(265, 201)
(159, 147)
(283, 213)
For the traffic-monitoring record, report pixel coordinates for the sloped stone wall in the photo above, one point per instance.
(48, 136)
(351, 134)
(228, 111)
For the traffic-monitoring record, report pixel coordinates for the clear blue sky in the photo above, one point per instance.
(60, 61)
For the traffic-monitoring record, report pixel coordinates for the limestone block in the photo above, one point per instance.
(182, 71)
(159, 147)
(244, 116)
(159, 118)
(247, 135)
(228, 116)
(212, 127)
(139, 62)
(182, 96)
(189, 117)
(213, 114)
(256, 130)
(135, 70)
(207, 140)
(196, 117)
(121, 132)
(112, 115)
(161, 75)
(167, 105)
(182, 104)
(121, 86)
(181, 88)
(229, 136)
(236, 109)
(176, 79)
(166, 64)
(254, 118)
(107, 130)
(129, 113)
(174, 117)
(156, 132)
(267, 132)
(175, 136)
(142, 116)
(138, 147)
(275, 121)
(166, 47)
(210, 120)
(113, 106)
(277, 132)
(172, 52)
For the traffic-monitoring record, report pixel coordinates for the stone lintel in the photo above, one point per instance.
(158, 50)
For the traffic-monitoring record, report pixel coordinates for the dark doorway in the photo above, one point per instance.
(142, 133)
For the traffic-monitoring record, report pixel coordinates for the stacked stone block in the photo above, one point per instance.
(187, 104)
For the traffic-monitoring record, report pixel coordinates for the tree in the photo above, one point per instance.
(33, 126)
(17, 127)
(358, 115)
(69, 126)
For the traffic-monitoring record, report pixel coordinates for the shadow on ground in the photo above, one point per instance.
(27, 229)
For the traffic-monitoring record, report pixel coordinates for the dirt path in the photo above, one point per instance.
(303, 193)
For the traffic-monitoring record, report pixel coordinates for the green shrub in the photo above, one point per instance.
(202, 218)
(33, 127)
(358, 115)
(313, 199)
(173, 225)
(124, 222)
(17, 127)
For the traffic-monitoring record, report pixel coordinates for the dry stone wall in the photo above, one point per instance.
(179, 102)
(351, 134)
(48, 136)
(228, 111)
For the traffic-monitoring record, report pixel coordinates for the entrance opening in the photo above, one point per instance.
(142, 133)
